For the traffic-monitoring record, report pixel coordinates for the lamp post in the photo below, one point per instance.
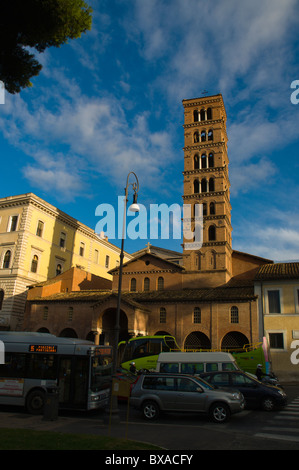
(133, 208)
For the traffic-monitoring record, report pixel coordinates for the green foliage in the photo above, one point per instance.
(36, 24)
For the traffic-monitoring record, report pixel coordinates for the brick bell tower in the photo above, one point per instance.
(206, 182)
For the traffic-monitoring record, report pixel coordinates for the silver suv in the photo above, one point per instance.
(153, 393)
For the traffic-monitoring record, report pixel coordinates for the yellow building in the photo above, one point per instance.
(39, 241)
(277, 286)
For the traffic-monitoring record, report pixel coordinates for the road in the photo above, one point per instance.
(249, 430)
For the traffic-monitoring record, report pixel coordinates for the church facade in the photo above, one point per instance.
(205, 296)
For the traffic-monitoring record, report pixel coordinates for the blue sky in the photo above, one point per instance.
(111, 102)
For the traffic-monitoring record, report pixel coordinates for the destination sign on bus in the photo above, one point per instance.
(102, 351)
(42, 348)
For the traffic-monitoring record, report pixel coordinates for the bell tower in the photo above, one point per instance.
(206, 182)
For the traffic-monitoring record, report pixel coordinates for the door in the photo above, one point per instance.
(73, 381)
(166, 391)
(247, 386)
(188, 396)
(64, 379)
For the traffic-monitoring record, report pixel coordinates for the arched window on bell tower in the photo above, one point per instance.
(212, 208)
(204, 186)
(212, 233)
(196, 186)
(196, 162)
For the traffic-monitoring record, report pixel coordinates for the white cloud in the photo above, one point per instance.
(96, 130)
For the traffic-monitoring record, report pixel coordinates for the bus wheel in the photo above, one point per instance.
(35, 402)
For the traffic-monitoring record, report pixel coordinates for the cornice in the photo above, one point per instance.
(204, 145)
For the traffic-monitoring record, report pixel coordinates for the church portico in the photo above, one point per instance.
(133, 319)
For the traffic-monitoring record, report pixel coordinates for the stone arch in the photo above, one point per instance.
(197, 340)
(162, 333)
(234, 340)
(108, 325)
(68, 333)
(43, 330)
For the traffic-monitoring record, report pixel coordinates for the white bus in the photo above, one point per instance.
(195, 362)
(36, 361)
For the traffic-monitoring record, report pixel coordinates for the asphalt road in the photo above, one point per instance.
(249, 430)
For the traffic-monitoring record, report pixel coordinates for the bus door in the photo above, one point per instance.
(73, 381)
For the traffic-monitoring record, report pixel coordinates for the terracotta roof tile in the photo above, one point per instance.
(278, 271)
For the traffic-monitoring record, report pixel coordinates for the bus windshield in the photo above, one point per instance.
(101, 370)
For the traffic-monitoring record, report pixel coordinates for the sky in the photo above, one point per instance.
(110, 103)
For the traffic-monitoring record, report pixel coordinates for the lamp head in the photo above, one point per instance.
(134, 207)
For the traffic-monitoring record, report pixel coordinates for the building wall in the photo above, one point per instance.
(56, 317)
(30, 241)
(215, 321)
(281, 328)
(152, 268)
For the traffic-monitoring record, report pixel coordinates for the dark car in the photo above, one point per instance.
(256, 393)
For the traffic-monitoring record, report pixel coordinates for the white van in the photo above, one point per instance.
(195, 362)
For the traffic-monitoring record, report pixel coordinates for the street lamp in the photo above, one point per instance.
(133, 208)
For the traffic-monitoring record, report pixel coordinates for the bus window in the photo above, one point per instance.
(211, 366)
(41, 367)
(169, 368)
(191, 368)
(155, 346)
(169, 344)
(14, 365)
(128, 352)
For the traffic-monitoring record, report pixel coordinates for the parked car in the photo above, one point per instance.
(256, 393)
(157, 392)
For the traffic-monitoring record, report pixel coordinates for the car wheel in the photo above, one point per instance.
(268, 404)
(219, 413)
(150, 410)
(35, 402)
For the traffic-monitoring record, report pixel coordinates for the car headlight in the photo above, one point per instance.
(282, 393)
(236, 396)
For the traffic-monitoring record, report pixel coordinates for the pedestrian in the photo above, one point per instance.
(133, 367)
(259, 373)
